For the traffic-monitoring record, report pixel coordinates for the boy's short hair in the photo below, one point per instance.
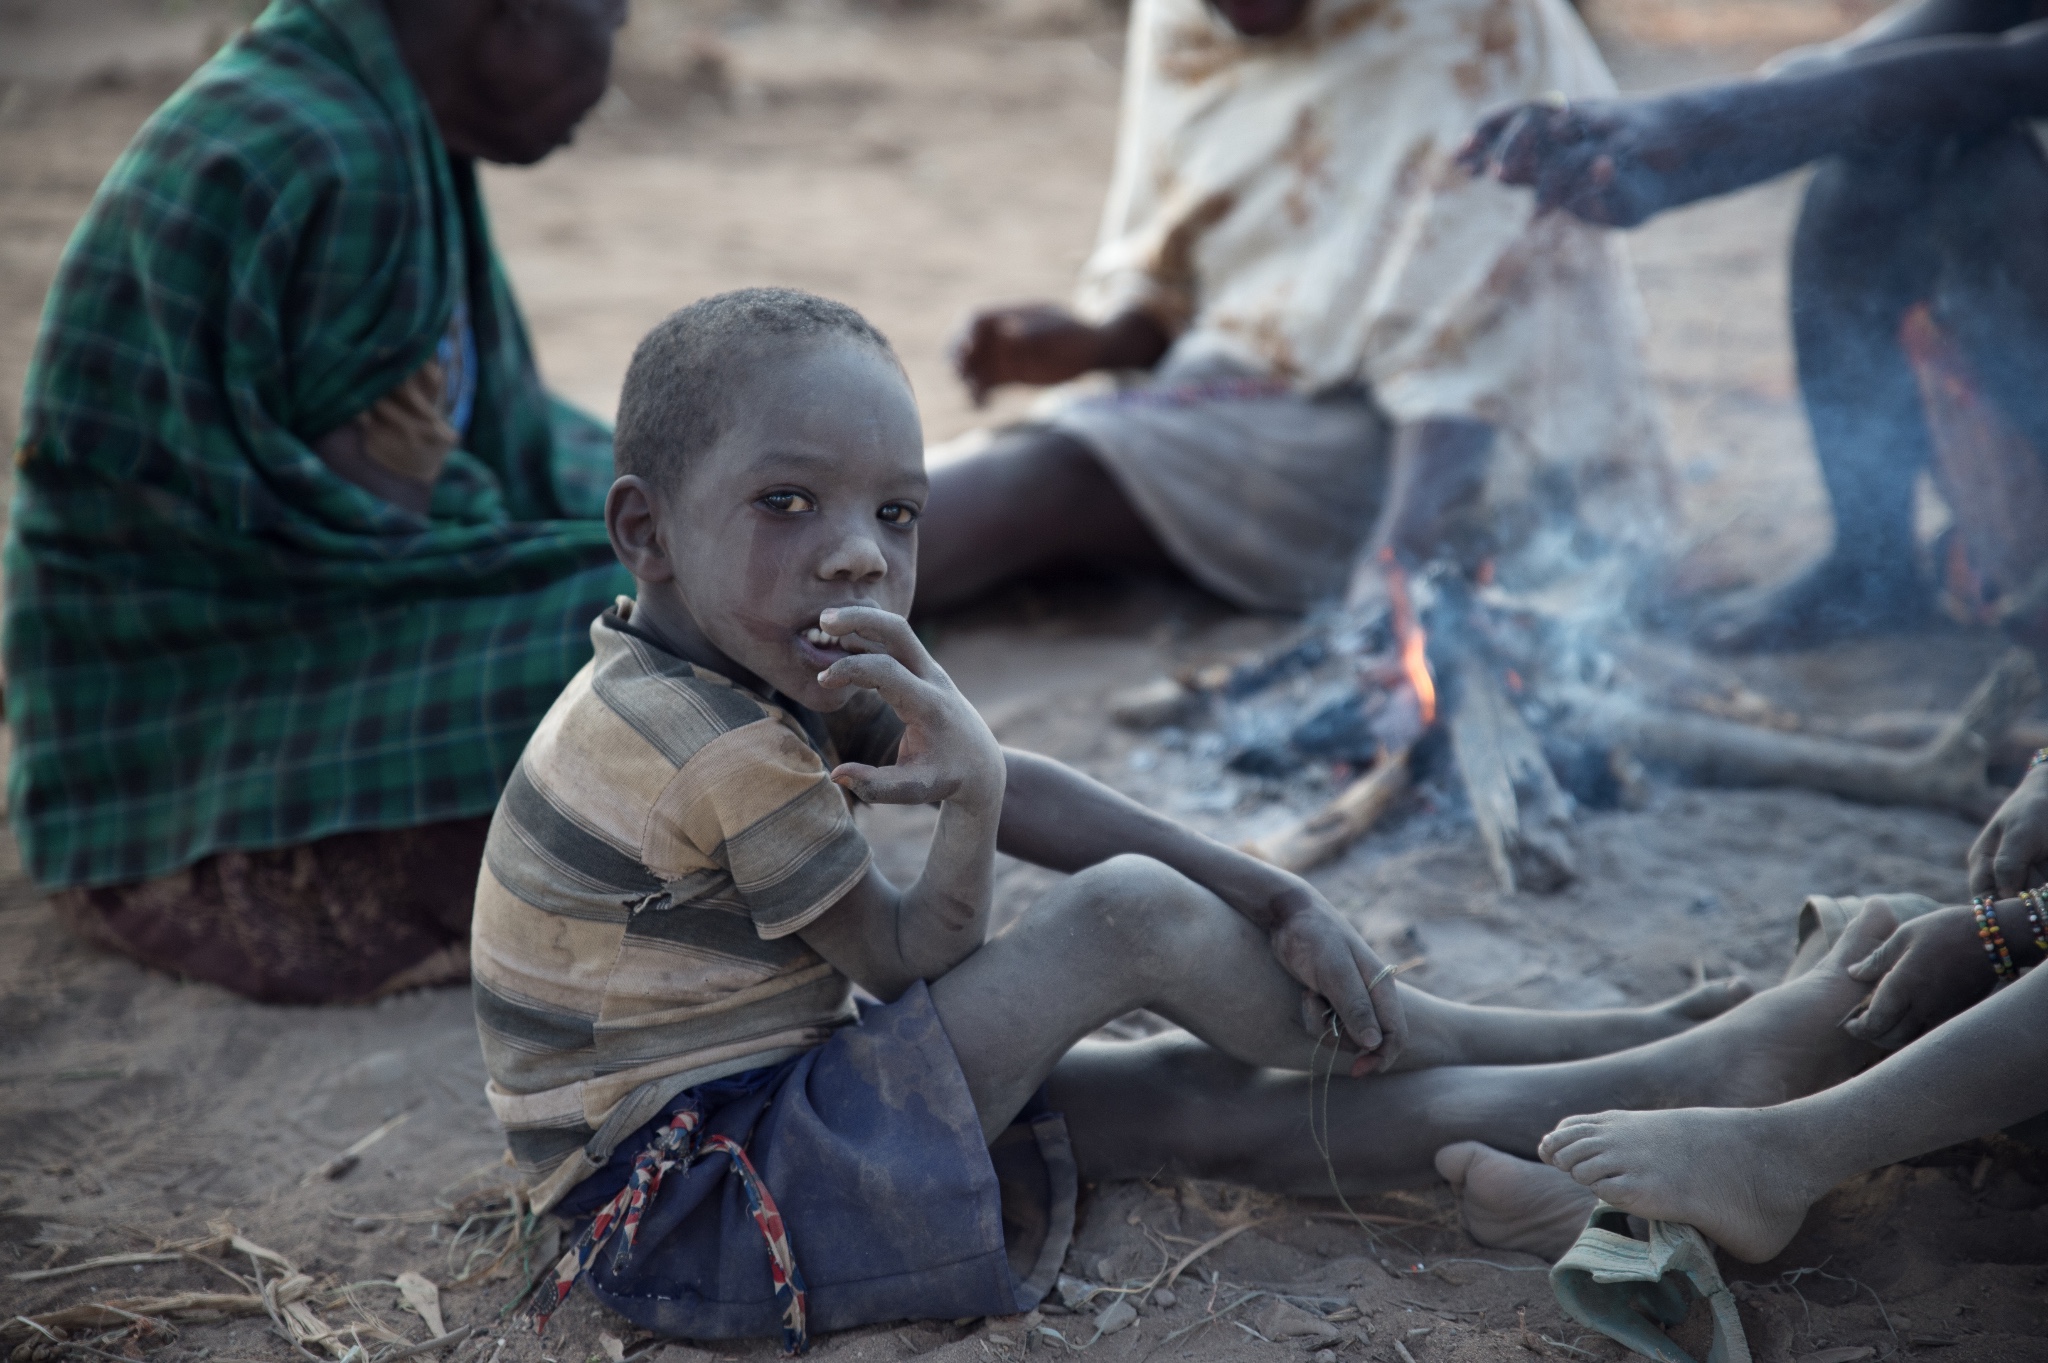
(674, 404)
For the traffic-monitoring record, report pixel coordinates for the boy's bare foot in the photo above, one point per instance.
(1509, 1203)
(1735, 1173)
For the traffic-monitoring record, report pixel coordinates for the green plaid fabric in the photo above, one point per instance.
(213, 641)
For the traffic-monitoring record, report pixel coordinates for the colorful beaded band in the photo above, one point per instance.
(2031, 901)
(2040, 756)
(1994, 941)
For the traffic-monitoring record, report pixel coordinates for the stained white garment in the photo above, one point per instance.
(1291, 204)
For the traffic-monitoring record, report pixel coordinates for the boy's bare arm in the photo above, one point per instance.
(883, 937)
(1053, 816)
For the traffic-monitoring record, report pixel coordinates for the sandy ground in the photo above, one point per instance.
(917, 161)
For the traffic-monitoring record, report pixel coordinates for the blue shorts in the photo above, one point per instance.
(894, 1206)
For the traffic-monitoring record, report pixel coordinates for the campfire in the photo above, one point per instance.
(1538, 708)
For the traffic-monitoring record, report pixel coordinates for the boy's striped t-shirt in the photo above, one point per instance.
(664, 837)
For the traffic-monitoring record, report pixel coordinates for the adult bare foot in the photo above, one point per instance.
(1735, 1173)
(1834, 599)
(1509, 1203)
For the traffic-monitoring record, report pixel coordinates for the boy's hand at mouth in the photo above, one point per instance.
(947, 753)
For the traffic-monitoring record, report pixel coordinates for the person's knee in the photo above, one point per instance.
(1145, 911)
(1983, 218)
(1036, 457)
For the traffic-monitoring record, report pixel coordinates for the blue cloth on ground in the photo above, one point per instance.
(895, 1207)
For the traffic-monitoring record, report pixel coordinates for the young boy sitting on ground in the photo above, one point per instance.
(675, 905)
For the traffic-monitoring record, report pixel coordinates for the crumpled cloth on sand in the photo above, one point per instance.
(1626, 1288)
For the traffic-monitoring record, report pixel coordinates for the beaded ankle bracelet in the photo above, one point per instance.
(1993, 940)
(2031, 900)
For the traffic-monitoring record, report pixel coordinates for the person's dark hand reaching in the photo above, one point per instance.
(1044, 343)
(1609, 162)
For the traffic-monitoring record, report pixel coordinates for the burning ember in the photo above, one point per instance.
(1411, 640)
(1523, 705)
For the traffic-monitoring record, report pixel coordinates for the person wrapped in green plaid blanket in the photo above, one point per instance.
(300, 548)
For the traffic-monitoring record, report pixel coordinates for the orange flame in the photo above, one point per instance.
(1412, 639)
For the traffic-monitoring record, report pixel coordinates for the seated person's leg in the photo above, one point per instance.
(1991, 287)
(1228, 1101)
(1860, 259)
(1745, 1177)
(337, 920)
(1033, 499)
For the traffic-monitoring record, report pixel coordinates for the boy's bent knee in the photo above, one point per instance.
(1147, 910)
(1140, 883)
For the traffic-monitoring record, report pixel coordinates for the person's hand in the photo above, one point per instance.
(1341, 977)
(1609, 162)
(947, 752)
(2011, 854)
(1036, 343)
(1930, 968)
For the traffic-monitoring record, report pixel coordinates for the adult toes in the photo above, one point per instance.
(1563, 1149)
(1597, 1166)
(1454, 1162)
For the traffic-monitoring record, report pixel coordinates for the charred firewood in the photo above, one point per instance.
(1338, 824)
(1946, 772)
(1524, 818)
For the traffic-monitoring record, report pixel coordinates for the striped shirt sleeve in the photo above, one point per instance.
(761, 798)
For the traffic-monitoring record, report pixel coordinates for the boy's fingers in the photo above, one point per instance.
(1360, 1023)
(882, 631)
(887, 785)
(906, 695)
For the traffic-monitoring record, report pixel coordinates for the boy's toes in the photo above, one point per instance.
(1710, 999)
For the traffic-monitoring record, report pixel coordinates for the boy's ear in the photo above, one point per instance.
(632, 516)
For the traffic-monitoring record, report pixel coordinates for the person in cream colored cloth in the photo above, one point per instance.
(1329, 340)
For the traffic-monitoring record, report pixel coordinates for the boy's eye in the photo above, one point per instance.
(897, 513)
(788, 503)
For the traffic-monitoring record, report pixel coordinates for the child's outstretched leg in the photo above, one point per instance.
(1441, 1032)
(1133, 933)
(1746, 1177)
(1171, 1104)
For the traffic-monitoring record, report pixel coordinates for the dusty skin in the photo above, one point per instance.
(919, 164)
(1747, 1178)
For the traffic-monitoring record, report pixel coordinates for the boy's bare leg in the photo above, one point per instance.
(1746, 1177)
(1131, 933)
(1034, 499)
(1449, 1033)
